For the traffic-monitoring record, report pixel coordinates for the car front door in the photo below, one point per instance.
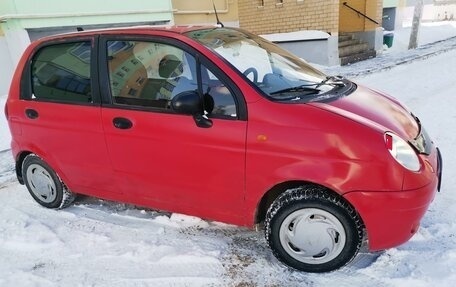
(162, 158)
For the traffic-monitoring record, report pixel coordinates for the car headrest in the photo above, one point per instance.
(170, 66)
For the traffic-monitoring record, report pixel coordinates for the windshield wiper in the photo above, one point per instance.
(332, 80)
(298, 89)
(312, 88)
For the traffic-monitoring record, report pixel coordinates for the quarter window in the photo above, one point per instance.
(61, 73)
(223, 104)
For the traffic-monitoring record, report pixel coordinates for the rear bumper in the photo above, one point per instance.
(391, 218)
(439, 169)
(15, 149)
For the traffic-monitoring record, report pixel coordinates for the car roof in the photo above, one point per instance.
(127, 30)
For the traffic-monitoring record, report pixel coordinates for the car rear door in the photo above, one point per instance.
(163, 157)
(61, 116)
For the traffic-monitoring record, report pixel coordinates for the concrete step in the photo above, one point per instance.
(353, 49)
(353, 58)
(345, 37)
(348, 42)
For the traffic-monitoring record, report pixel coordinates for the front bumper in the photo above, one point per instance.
(391, 218)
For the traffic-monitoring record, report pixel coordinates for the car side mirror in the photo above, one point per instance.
(190, 103)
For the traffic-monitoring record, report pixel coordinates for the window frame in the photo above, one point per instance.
(105, 85)
(144, 102)
(216, 73)
(26, 85)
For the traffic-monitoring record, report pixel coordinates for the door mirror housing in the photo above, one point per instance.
(188, 103)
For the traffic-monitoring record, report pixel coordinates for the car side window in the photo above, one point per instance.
(61, 72)
(148, 74)
(221, 101)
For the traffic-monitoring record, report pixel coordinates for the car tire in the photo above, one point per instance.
(44, 185)
(313, 230)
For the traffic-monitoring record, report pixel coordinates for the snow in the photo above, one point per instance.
(429, 32)
(101, 243)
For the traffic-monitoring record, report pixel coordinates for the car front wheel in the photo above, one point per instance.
(312, 230)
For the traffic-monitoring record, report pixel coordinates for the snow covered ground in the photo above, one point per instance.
(99, 243)
(429, 32)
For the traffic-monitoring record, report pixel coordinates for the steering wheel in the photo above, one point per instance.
(253, 71)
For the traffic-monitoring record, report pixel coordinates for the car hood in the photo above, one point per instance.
(375, 109)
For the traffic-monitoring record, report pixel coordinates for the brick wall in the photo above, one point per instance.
(350, 21)
(202, 12)
(288, 16)
(374, 9)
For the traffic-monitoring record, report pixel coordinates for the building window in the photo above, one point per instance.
(260, 3)
(279, 3)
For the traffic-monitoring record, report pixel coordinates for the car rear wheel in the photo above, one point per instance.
(312, 230)
(44, 185)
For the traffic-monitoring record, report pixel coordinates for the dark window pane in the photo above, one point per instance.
(62, 73)
(221, 101)
(148, 74)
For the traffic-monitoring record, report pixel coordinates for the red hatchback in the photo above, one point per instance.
(221, 124)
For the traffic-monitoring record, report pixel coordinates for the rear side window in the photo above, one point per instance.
(61, 73)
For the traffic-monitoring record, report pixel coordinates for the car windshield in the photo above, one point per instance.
(278, 73)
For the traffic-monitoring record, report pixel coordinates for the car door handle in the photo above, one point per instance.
(122, 123)
(31, 114)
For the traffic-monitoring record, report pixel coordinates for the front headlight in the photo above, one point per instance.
(402, 152)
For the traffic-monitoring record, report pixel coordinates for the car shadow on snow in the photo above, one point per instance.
(244, 253)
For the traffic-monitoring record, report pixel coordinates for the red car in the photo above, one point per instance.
(224, 125)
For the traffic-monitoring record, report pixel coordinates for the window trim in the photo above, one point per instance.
(105, 87)
(26, 88)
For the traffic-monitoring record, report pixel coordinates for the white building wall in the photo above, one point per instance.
(442, 10)
(6, 65)
(18, 40)
(18, 17)
(445, 12)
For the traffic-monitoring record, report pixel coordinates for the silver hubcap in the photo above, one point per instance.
(41, 183)
(312, 236)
